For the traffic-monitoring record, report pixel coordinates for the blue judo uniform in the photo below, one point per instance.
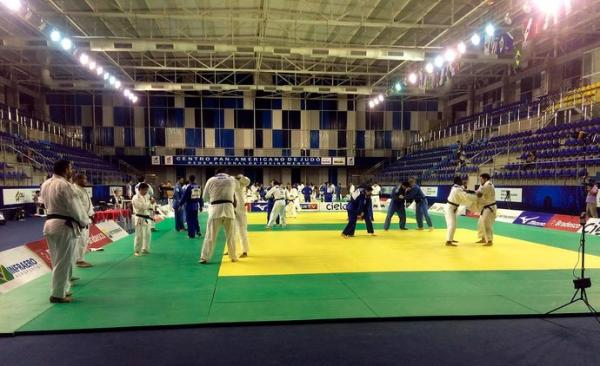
(307, 191)
(396, 207)
(359, 204)
(270, 204)
(192, 198)
(177, 197)
(422, 206)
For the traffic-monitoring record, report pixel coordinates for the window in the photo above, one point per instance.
(244, 118)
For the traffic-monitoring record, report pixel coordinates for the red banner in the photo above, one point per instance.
(564, 222)
(40, 247)
(97, 238)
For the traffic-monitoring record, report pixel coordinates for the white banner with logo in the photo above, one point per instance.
(169, 160)
(326, 161)
(19, 266)
(508, 216)
(333, 206)
(339, 161)
(155, 160)
(592, 227)
(112, 230)
(509, 194)
(18, 196)
(310, 206)
(439, 208)
(430, 191)
(114, 188)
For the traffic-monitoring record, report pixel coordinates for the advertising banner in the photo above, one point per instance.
(350, 160)
(17, 196)
(97, 238)
(191, 160)
(564, 222)
(112, 230)
(538, 219)
(508, 216)
(259, 206)
(19, 266)
(40, 248)
(509, 194)
(592, 227)
(312, 206)
(333, 206)
(430, 191)
(438, 208)
(155, 160)
(339, 161)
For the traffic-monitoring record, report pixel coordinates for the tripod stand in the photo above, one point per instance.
(581, 283)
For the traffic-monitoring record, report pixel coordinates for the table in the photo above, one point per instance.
(114, 214)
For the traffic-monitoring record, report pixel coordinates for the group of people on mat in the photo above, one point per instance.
(483, 200)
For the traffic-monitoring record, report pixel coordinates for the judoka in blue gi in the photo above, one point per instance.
(307, 192)
(359, 207)
(192, 199)
(396, 207)
(270, 203)
(177, 197)
(414, 193)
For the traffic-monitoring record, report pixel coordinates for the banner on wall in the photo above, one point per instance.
(190, 160)
(112, 189)
(309, 206)
(592, 227)
(259, 207)
(350, 160)
(537, 219)
(564, 222)
(19, 266)
(508, 216)
(155, 160)
(169, 160)
(18, 196)
(326, 161)
(333, 206)
(430, 191)
(509, 194)
(339, 161)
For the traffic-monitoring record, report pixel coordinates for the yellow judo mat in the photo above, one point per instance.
(323, 218)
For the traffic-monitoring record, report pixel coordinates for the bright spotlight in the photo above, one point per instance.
(549, 7)
(99, 70)
(376, 101)
(106, 76)
(450, 55)
(398, 86)
(14, 5)
(429, 67)
(92, 65)
(490, 30)
(412, 78)
(371, 104)
(475, 39)
(462, 48)
(117, 84)
(66, 44)
(380, 97)
(126, 92)
(134, 99)
(112, 80)
(439, 61)
(55, 36)
(84, 59)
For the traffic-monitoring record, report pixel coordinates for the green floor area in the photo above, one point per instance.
(169, 287)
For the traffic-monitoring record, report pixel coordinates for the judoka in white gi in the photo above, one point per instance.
(293, 201)
(150, 195)
(279, 197)
(457, 197)
(375, 196)
(487, 202)
(241, 220)
(79, 184)
(300, 188)
(143, 206)
(220, 192)
(64, 220)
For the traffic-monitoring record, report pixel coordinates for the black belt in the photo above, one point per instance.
(280, 199)
(145, 217)
(489, 207)
(218, 202)
(453, 204)
(69, 221)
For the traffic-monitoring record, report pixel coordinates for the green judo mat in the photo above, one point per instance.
(169, 287)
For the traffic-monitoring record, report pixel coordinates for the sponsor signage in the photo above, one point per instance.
(259, 207)
(350, 160)
(509, 216)
(326, 161)
(97, 238)
(249, 160)
(439, 208)
(19, 266)
(114, 188)
(538, 219)
(430, 191)
(339, 161)
(564, 222)
(333, 206)
(169, 160)
(155, 160)
(112, 230)
(18, 196)
(592, 227)
(509, 194)
(40, 248)
(309, 206)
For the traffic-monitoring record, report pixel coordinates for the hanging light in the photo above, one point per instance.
(376, 101)
(462, 48)
(84, 59)
(112, 80)
(398, 86)
(450, 55)
(13, 5)
(117, 84)
(106, 76)
(439, 61)
(99, 70)
(429, 67)
(92, 65)
(490, 30)
(55, 36)
(380, 97)
(475, 39)
(134, 99)
(66, 44)
(371, 104)
(412, 78)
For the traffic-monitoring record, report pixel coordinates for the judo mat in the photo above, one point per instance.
(307, 271)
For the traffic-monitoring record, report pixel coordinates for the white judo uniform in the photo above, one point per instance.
(86, 204)
(278, 210)
(375, 196)
(299, 189)
(142, 205)
(487, 202)
(457, 197)
(241, 219)
(58, 197)
(294, 202)
(149, 195)
(220, 192)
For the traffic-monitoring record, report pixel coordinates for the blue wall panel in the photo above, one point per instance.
(314, 139)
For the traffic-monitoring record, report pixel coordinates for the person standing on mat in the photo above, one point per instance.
(396, 206)
(79, 184)
(177, 197)
(458, 196)
(192, 199)
(591, 208)
(375, 198)
(220, 192)
(487, 201)
(142, 205)
(307, 192)
(279, 198)
(270, 203)
(360, 207)
(241, 219)
(142, 179)
(64, 219)
(414, 193)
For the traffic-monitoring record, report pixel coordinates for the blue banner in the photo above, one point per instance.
(529, 218)
(190, 160)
